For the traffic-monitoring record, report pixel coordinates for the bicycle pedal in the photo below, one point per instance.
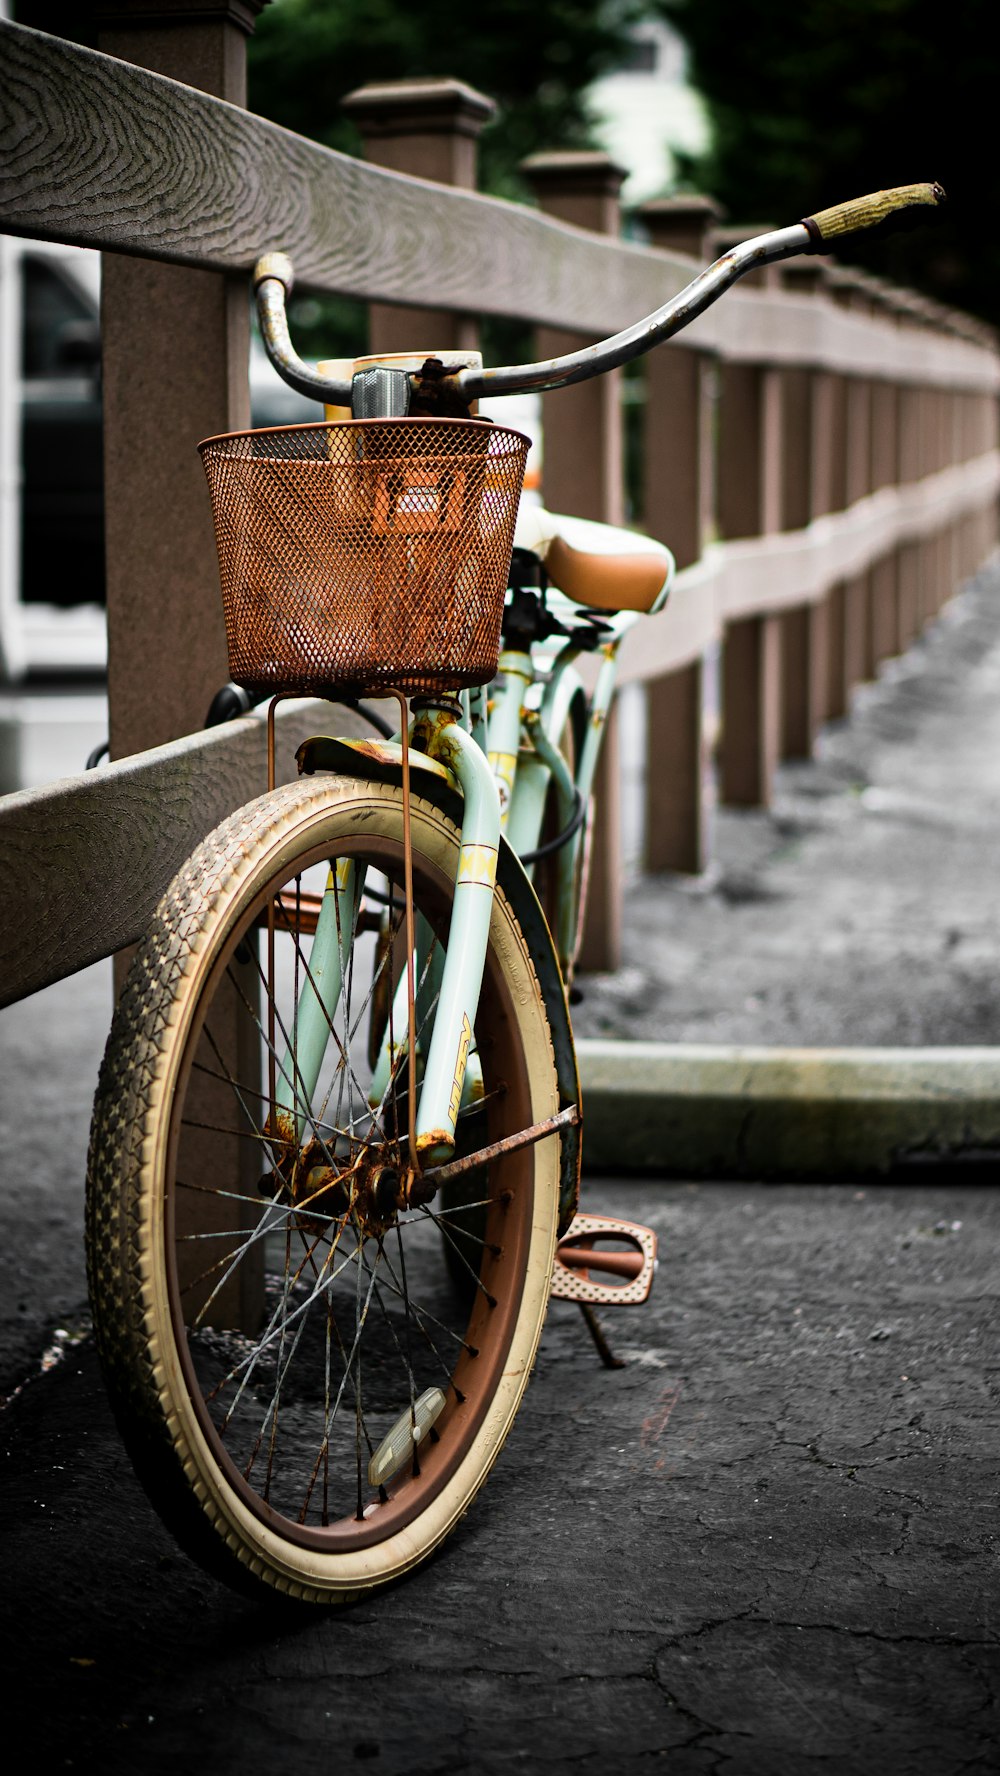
(603, 1260)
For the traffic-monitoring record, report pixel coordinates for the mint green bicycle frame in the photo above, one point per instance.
(503, 754)
(504, 758)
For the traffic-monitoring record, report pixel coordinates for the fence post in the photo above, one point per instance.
(582, 474)
(908, 471)
(679, 499)
(11, 646)
(828, 457)
(858, 440)
(175, 348)
(986, 422)
(175, 353)
(583, 448)
(932, 459)
(428, 128)
(884, 613)
(804, 489)
(749, 504)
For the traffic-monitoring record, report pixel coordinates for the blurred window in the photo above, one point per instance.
(58, 321)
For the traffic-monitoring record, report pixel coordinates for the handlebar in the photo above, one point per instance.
(884, 211)
(273, 280)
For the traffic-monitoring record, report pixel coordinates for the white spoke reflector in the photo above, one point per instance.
(409, 1428)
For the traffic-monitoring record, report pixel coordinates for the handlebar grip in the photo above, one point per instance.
(885, 210)
(274, 265)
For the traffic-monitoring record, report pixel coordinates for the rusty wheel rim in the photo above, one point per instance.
(284, 1476)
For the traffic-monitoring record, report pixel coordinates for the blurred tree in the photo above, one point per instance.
(812, 101)
(535, 60)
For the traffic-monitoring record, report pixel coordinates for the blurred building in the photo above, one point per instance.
(646, 112)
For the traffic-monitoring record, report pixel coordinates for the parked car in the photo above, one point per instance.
(62, 469)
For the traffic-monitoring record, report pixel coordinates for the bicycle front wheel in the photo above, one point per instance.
(308, 1399)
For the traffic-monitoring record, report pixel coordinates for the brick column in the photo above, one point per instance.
(679, 501)
(175, 352)
(428, 128)
(582, 468)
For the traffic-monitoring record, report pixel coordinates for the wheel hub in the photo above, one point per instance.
(369, 1186)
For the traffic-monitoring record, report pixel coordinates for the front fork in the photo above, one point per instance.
(455, 981)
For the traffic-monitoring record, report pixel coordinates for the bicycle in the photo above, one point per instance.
(336, 1144)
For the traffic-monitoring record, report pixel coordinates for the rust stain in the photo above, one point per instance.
(654, 1426)
(454, 1168)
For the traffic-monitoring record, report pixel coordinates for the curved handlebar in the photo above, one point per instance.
(273, 279)
(632, 342)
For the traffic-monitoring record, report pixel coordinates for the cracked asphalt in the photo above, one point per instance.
(766, 1545)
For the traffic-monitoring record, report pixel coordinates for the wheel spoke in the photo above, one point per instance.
(345, 1071)
(470, 1269)
(314, 1324)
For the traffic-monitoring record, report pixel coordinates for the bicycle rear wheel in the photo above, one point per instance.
(308, 1400)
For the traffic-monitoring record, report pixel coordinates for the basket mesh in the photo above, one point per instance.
(364, 556)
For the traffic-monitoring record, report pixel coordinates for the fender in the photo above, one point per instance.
(380, 759)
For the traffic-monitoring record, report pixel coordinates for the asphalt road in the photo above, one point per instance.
(768, 1544)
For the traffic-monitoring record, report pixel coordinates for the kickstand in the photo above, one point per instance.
(604, 1350)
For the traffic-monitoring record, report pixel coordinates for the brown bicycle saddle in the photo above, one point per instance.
(598, 565)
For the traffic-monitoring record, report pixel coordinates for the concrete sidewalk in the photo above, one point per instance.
(862, 908)
(825, 999)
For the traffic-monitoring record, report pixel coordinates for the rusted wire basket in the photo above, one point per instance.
(365, 556)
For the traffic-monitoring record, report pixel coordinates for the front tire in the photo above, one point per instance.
(263, 1317)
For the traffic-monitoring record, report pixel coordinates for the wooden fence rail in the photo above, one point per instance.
(820, 448)
(84, 861)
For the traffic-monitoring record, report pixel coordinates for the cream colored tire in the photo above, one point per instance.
(187, 984)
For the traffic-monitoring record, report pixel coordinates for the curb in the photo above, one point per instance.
(704, 1111)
